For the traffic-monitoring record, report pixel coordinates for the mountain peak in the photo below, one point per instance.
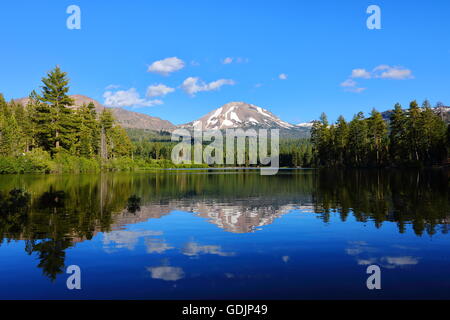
(238, 114)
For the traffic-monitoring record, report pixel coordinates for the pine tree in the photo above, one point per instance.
(54, 121)
(397, 135)
(27, 125)
(93, 124)
(427, 133)
(4, 108)
(377, 134)
(88, 136)
(448, 141)
(437, 129)
(106, 124)
(4, 133)
(413, 127)
(321, 139)
(341, 140)
(358, 140)
(120, 143)
(10, 139)
(43, 124)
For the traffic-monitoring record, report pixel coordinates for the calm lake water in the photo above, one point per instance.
(302, 234)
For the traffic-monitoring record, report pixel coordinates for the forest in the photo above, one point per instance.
(415, 137)
(45, 135)
(294, 152)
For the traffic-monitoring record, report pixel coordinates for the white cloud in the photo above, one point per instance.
(283, 76)
(192, 85)
(357, 90)
(127, 98)
(360, 73)
(394, 73)
(350, 85)
(166, 66)
(158, 90)
(112, 87)
(382, 71)
(381, 67)
(242, 60)
(227, 60)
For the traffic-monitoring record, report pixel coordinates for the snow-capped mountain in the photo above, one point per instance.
(305, 125)
(238, 115)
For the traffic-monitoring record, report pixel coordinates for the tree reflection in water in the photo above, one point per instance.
(53, 213)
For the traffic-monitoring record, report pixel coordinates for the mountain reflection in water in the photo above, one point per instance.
(53, 213)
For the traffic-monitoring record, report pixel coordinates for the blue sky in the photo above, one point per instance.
(316, 45)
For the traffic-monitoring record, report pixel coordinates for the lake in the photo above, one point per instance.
(302, 234)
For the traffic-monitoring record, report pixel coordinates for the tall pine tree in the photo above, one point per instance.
(54, 120)
(397, 135)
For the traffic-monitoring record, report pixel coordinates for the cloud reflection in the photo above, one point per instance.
(157, 245)
(366, 255)
(194, 249)
(126, 239)
(166, 273)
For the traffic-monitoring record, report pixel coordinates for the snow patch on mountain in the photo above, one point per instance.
(305, 125)
(239, 115)
(234, 116)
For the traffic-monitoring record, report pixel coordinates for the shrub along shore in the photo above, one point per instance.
(39, 161)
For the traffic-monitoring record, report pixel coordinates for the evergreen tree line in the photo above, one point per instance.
(413, 137)
(293, 152)
(47, 123)
(296, 153)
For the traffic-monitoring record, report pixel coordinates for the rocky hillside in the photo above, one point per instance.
(127, 119)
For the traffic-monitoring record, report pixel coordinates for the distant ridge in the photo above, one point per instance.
(127, 119)
(443, 112)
